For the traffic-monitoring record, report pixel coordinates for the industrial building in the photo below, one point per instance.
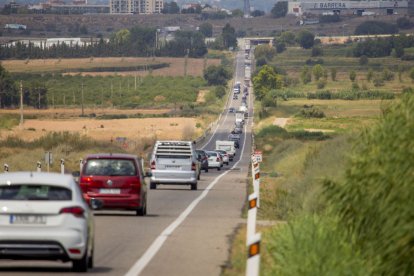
(347, 7)
(136, 6)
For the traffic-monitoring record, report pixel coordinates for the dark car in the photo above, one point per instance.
(232, 110)
(203, 158)
(114, 181)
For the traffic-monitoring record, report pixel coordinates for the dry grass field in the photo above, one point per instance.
(107, 130)
(177, 65)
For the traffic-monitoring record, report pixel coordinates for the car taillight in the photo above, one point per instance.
(218, 159)
(153, 165)
(77, 211)
(85, 180)
(193, 166)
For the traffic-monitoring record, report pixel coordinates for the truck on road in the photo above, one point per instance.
(228, 146)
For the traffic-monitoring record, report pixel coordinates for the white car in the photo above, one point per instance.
(225, 156)
(44, 217)
(214, 160)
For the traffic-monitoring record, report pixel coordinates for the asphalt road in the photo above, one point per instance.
(185, 232)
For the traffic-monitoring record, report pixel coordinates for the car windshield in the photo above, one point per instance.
(34, 192)
(211, 154)
(111, 167)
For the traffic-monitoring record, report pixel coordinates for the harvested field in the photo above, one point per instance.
(76, 112)
(195, 67)
(107, 130)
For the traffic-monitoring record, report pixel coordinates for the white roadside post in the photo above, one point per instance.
(39, 166)
(253, 255)
(80, 164)
(6, 168)
(62, 166)
(251, 217)
(256, 178)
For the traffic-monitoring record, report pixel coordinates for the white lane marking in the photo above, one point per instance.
(142, 262)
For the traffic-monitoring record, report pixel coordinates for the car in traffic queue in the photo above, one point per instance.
(214, 160)
(44, 217)
(237, 130)
(203, 159)
(114, 181)
(225, 156)
(174, 163)
(232, 110)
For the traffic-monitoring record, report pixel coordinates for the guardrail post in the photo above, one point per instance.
(256, 178)
(62, 166)
(80, 164)
(251, 216)
(6, 168)
(253, 256)
(39, 166)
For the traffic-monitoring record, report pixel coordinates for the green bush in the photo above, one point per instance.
(374, 202)
(312, 245)
(312, 113)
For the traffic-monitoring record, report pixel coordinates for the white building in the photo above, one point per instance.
(347, 7)
(136, 6)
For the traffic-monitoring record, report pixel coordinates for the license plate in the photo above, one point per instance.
(110, 191)
(27, 219)
(172, 166)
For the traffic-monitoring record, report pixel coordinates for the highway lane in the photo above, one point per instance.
(199, 244)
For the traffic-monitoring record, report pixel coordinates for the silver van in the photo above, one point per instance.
(174, 163)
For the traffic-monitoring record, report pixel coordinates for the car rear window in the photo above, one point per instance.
(34, 192)
(211, 154)
(110, 167)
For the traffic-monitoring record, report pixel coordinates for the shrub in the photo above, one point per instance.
(404, 23)
(375, 27)
(363, 60)
(333, 74)
(370, 74)
(378, 81)
(355, 86)
(306, 75)
(220, 91)
(352, 75)
(321, 83)
(387, 75)
(312, 113)
(317, 51)
(374, 201)
(310, 61)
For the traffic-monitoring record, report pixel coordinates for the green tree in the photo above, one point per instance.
(8, 89)
(229, 36)
(363, 60)
(266, 80)
(318, 71)
(287, 37)
(206, 29)
(306, 39)
(237, 13)
(216, 75)
(264, 51)
(412, 74)
(306, 75)
(352, 75)
(121, 37)
(333, 74)
(279, 9)
(171, 8)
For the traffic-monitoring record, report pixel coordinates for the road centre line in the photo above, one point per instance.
(156, 245)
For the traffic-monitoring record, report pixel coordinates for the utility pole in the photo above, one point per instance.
(21, 104)
(82, 99)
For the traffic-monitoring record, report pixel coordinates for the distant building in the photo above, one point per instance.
(15, 27)
(348, 7)
(136, 6)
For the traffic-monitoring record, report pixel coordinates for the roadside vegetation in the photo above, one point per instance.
(336, 194)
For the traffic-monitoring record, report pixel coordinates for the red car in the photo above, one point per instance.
(114, 181)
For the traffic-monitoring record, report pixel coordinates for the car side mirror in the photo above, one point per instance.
(148, 174)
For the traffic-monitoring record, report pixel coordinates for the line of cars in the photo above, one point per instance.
(48, 216)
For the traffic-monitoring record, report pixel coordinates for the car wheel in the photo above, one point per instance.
(219, 168)
(227, 163)
(82, 264)
(206, 170)
(142, 211)
(194, 186)
(153, 186)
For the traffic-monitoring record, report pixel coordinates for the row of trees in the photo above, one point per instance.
(34, 94)
(382, 47)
